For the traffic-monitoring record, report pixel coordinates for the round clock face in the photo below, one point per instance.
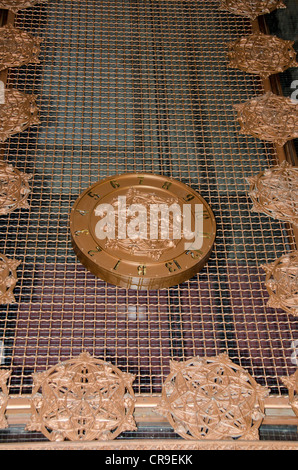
(142, 231)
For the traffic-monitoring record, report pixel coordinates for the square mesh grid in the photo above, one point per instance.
(139, 86)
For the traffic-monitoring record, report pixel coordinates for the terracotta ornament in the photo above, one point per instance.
(134, 253)
(4, 397)
(8, 279)
(269, 117)
(17, 47)
(212, 398)
(274, 192)
(18, 112)
(14, 189)
(82, 399)
(282, 283)
(292, 384)
(261, 54)
(16, 5)
(251, 8)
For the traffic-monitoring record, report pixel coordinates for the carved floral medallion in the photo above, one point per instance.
(251, 8)
(269, 117)
(4, 396)
(82, 399)
(212, 398)
(292, 384)
(14, 189)
(17, 47)
(274, 192)
(261, 54)
(18, 112)
(282, 283)
(8, 279)
(16, 5)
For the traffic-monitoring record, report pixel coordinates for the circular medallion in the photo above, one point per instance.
(142, 231)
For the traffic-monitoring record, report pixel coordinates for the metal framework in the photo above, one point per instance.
(141, 86)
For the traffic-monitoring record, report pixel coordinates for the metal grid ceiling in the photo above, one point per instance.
(139, 86)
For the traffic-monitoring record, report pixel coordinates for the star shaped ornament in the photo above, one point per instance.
(8, 279)
(269, 117)
(17, 113)
(251, 8)
(261, 54)
(17, 47)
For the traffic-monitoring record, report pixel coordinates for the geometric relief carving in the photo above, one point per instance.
(251, 8)
(8, 279)
(4, 397)
(274, 192)
(292, 384)
(212, 398)
(14, 189)
(18, 112)
(82, 399)
(17, 47)
(282, 283)
(16, 5)
(269, 117)
(262, 54)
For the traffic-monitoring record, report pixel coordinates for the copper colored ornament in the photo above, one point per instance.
(82, 399)
(135, 261)
(282, 283)
(269, 117)
(8, 279)
(274, 192)
(292, 384)
(14, 189)
(18, 112)
(4, 396)
(17, 47)
(16, 5)
(251, 8)
(212, 398)
(262, 54)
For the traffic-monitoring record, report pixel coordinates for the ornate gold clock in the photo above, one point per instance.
(142, 231)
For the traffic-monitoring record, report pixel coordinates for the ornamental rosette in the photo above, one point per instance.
(17, 113)
(292, 384)
(261, 54)
(17, 47)
(282, 283)
(212, 398)
(14, 189)
(16, 5)
(269, 117)
(274, 192)
(4, 396)
(251, 8)
(83, 399)
(8, 279)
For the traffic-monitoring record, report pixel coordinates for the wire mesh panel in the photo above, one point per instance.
(139, 86)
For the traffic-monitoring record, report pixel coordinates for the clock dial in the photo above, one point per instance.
(142, 231)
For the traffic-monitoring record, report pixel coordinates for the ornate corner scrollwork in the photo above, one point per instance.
(212, 398)
(261, 54)
(8, 279)
(292, 385)
(14, 189)
(18, 112)
(4, 396)
(83, 399)
(269, 117)
(16, 5)
(251, 8)
(17, 47)
(274, 192)
(282, 283)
